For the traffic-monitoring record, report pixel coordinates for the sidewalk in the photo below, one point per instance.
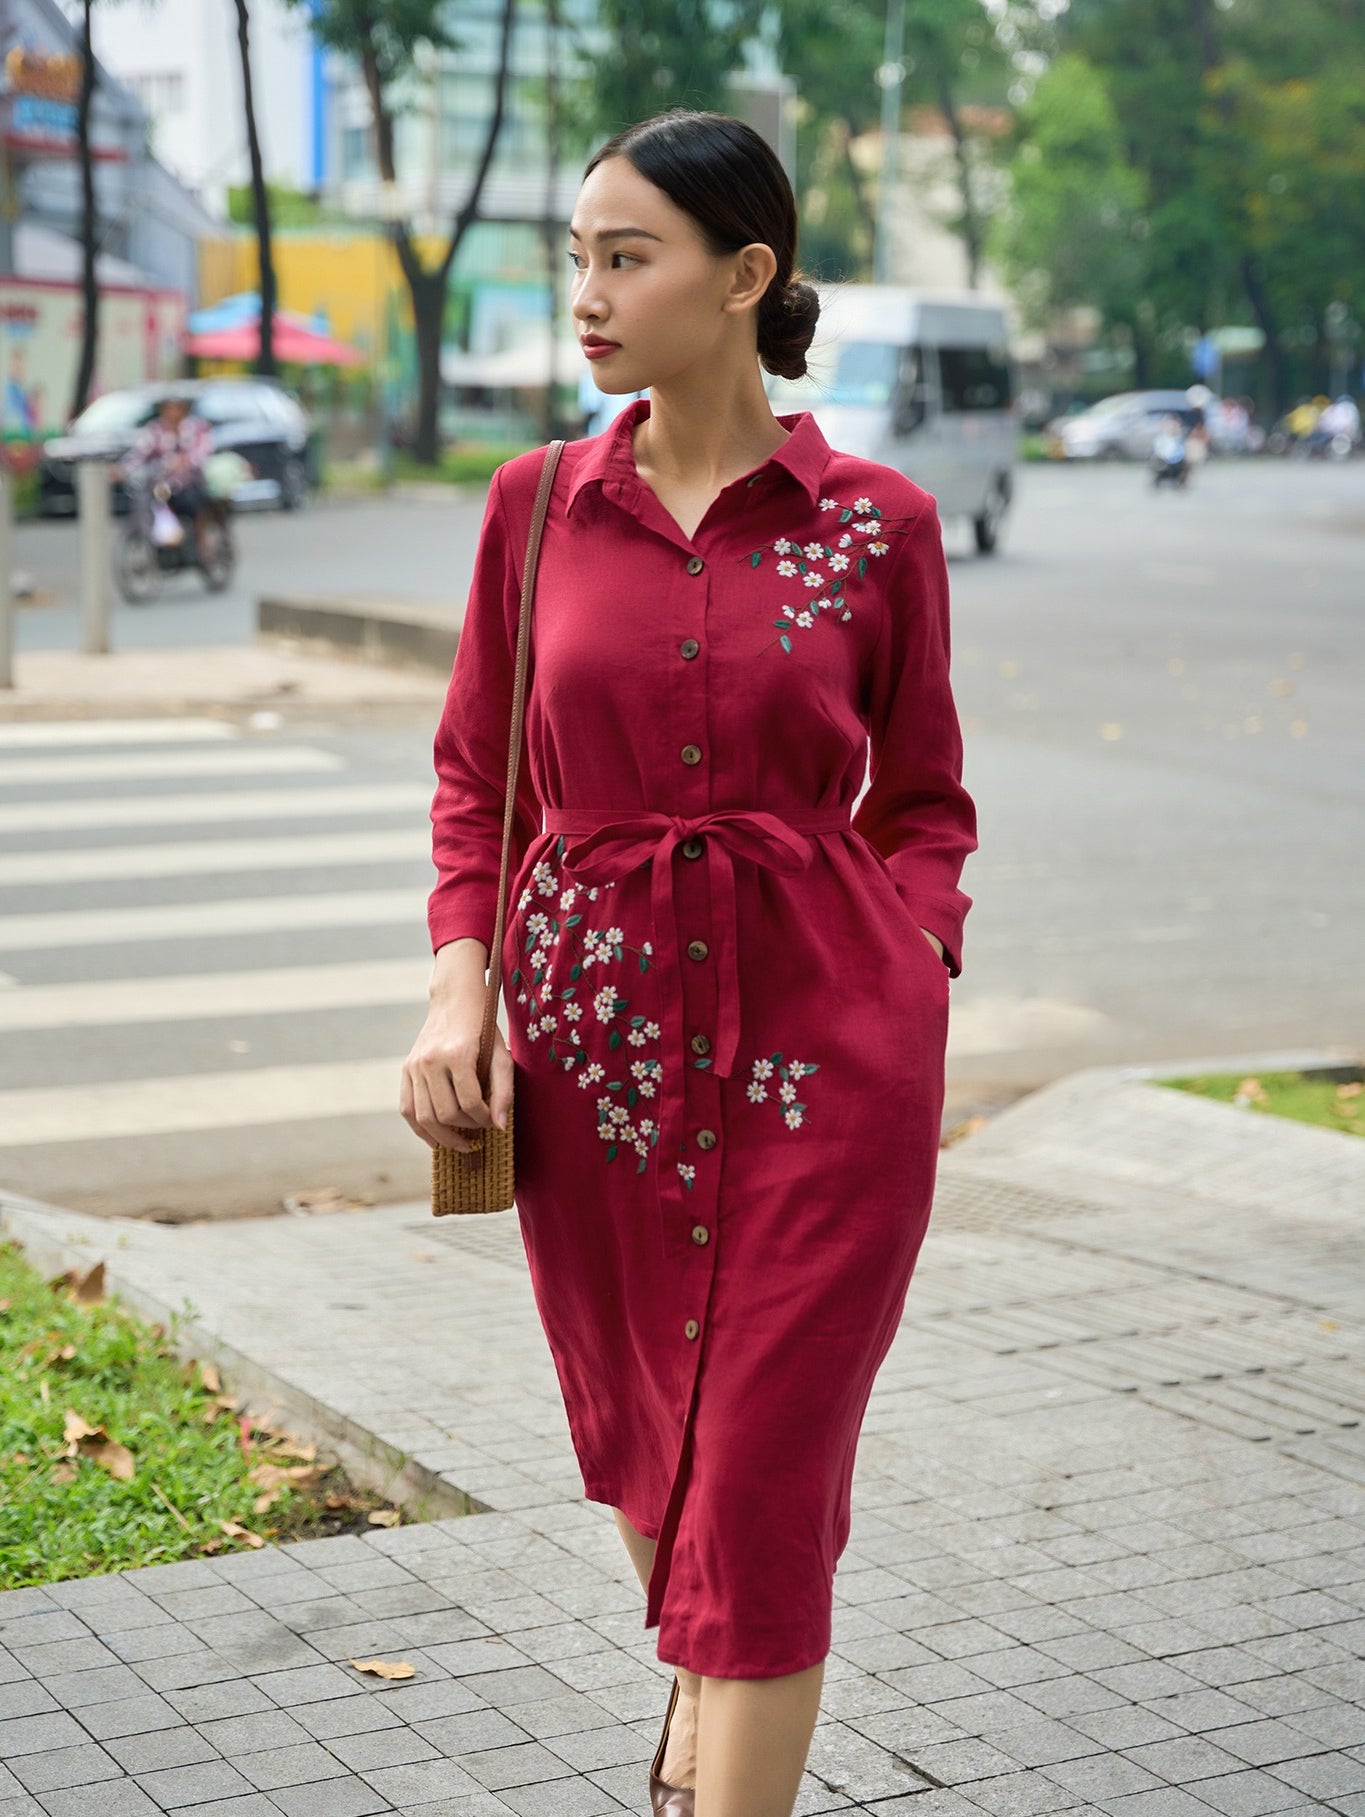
(1108, 1551)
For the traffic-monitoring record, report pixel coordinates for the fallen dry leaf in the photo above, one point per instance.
(266, 1501)
(385, 1668)
(209, 1377)
(279, 1476)
(386, 1517)
(1352, 1089)
(235, 1530)
(111, 1456)
(315, 1199)
(65, 1472)
(88, 1290)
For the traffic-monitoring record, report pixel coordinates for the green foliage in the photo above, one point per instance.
(391, 30)
(67, 1516)
(288, 208)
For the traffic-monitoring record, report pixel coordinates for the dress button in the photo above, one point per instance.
(691, 753)
(707, 1138)
(701, 1044)
(691, 848)
(695, 565)
(692, 1329)
(700, 1234)
(689, 647)
(697, 949)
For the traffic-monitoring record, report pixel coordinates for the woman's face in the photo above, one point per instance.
(669, 305)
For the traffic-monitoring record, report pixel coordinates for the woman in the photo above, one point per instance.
(727, 995)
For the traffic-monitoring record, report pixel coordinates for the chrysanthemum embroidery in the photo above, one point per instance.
(548, 1003)
(774, 1082)
(824, 567)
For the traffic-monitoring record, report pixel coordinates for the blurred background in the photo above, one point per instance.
(1092, 273)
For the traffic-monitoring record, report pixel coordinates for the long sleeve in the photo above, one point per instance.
(915, 811)
(471, 747)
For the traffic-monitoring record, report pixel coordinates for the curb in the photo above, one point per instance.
(407, 632)
(369, 1460)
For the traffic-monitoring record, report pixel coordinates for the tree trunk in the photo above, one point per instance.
(90, 294)
(867, 214)
(550, 226)
(260, 201)
(428, 287)
(970, 227)
(1270, 328)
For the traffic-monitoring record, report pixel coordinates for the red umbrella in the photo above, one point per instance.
(295, 343)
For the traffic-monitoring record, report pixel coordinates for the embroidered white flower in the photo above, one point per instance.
(862, 504)
(844, 617)
(838, 563)
(805, 620)
(793, 1111)
(792, 1118)
(783, 546)
(787, 569)
(813, 551)
(796, 1069)
(763, 1069)
(814, 580)
(878, 548)
(544, 879)
(573, 1011)
(845, 540)
(756, 1092)
(787, 1092)
(823, 605)
(636, 1037)
(651, 1028)
(688, 1173)
(789, 611)
(868, 528)
(829, 504)
(605, 1003)
(566, 897)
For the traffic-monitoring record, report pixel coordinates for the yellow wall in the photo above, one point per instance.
(346, 274)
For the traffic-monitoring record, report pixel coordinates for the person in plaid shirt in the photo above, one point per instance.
(173, 448)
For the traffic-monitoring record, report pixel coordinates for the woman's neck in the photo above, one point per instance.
(692, 442)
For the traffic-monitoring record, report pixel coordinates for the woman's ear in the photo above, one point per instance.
(755, 268)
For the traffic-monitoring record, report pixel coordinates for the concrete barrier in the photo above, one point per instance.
(379, 628)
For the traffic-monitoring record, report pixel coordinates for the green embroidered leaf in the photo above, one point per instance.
(783, 1071)
(644, 963)
(632, 1097)
(538, 974)
(516, 977)
(573, 921)
(687, 1183)
(755, 558)
(786, 644)
(637, 1022)
(701, 1065)
(615, 1038)
(844, 515)
(644, 1162)
(576, 971)
(570, 990)
(611, 1152)
(810, 1068)
(776, 1059)
(559, 846)
(613, 1085)
(862, 566)
(619, 951)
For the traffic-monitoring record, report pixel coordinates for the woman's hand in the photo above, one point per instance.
(933, 940)
(439, 1098)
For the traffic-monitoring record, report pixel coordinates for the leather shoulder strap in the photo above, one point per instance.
(528, 589)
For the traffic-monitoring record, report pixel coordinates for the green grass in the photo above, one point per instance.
(457, 466)
(65, 1515)
(1332, 1099)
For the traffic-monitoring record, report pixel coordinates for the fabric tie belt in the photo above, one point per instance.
(602, 846)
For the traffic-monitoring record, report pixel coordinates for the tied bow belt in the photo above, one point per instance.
(602, 846)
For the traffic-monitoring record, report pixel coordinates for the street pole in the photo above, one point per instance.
(92, 491)
(891, 76)
(6, 591)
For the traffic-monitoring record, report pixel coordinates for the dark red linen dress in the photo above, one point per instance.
(727, 1028)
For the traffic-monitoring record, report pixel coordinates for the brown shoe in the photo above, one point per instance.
(669, 1800)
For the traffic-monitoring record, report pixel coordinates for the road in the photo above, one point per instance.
(212, 946)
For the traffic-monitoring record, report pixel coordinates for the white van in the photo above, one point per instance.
(921, 381)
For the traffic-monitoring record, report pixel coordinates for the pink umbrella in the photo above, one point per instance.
(295, 342)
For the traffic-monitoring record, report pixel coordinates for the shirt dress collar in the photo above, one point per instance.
(611, 455)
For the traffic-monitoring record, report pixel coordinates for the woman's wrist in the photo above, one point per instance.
(457, 966)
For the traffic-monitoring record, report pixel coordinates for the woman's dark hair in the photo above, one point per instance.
(717, 169)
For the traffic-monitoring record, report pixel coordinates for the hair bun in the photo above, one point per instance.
(786, 327)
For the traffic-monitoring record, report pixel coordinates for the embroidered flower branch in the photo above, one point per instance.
(540, 936)
(824, 567)
(761, 1089)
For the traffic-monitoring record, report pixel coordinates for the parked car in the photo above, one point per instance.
(253, 417)
(1125, 426)
(921, 381)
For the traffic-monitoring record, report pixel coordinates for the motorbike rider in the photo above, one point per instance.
(173, 448)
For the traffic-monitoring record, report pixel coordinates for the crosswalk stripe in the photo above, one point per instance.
(194, 996)
(191, 1101)
(191, 810)
(30, 734)
(145, 766)
(211, 856)
(195, 920)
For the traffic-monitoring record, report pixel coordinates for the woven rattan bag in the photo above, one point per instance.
(484, 1177)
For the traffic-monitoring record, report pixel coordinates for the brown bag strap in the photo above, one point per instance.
(528, 589)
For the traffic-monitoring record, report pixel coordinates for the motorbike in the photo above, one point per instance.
(156, 543)
(1170, 464)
